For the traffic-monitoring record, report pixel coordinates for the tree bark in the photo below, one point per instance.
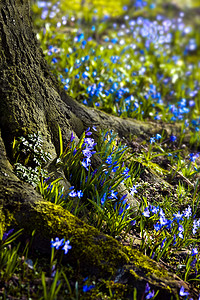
(31, 100)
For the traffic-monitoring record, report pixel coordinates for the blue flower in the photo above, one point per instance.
(193, 156)
(89, 142)
(121, 210)
(146, 212)
(158, 136)
(181, 230)
(6, 234)
(157, 226)
(133, 190)
(182, 292)
(163, 221)
(57, 243)
(66, 246)
(154, 209)
(194, 251)
(113, 195)
(147, 288)
(86, 163)
(173, 138)
(187, 212)
(87, 152)
(152, 140)
(54, 60)
(103, 199)
(163, 242)
(196, 225)
(73, 193)
(193, 263)
(87, 288)
(150, 295)
(178, 216)
(109, 160)
(133, 222)
(72, 137)
(79, 194)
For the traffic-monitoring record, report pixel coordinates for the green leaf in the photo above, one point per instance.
(60, 141)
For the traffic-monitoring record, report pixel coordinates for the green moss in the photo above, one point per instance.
(137, 277)
(91, 247)
(107, 290)
(142, 261)
(93, 253)
(6, 219)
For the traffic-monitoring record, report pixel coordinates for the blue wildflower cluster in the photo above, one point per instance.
(145, 67)
(107, 75)
(175, 230)
(60, 243)
(88, 151)
(148, 292)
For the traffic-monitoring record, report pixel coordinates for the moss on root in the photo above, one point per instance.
(95, 254)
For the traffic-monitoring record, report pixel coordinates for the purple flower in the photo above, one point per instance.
(88, 132)
(53, 271)
(89, 142)
(193, 263)
(147, 288)
(57, 243)
(72, 137)
(161, 213)
(87, 152)
(115, 169)
(125, 172)
(6, 234)
(133, 222)
(66, 246)
(191, 103)
(49, 188)
(46, 179)
(182, 292)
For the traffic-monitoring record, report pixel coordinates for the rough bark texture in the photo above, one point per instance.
(30, 101)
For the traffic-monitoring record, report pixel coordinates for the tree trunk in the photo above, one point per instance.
(31, 100)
